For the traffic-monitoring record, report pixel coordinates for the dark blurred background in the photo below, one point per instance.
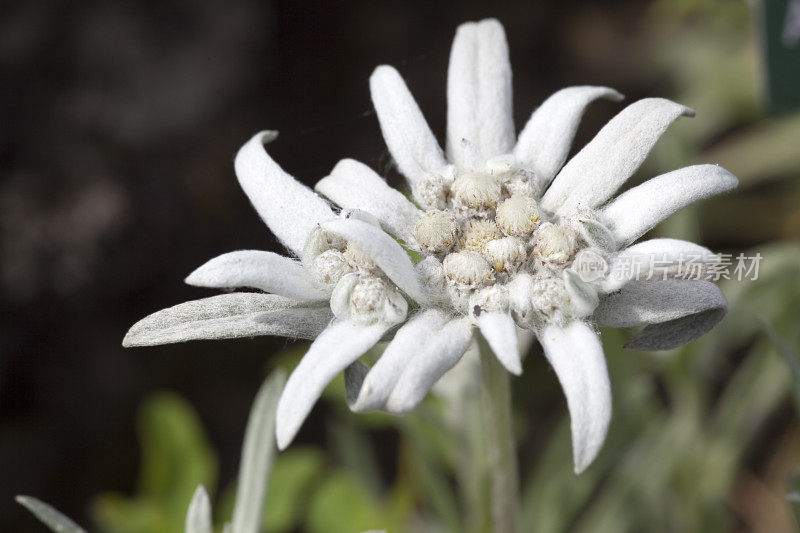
(119, 125)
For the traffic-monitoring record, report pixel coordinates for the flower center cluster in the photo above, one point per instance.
(489, 247)
(486, 246)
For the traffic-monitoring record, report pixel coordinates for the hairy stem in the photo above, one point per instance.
(496, 399)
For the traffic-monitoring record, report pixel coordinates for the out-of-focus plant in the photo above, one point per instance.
(176, 457)
(49, 516)
(176, 460)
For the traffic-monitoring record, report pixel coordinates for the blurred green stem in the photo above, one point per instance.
(496, 400)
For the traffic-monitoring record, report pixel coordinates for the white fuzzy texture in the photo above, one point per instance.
(339, 345)
(659, 254)
(436, 230)
(602, 166)
(505, 254)
(354, 185)
(582, 295)
(489, 299)
(499, 330)
(635, 212)
(240, 314)
(367, 300)
(358, 258)
(407, 135)
(477, 233)
(477, 191)
(442, 351)
(390, 257)
(675, 311)
(555, 243)
(266, 271)
(576, 355)
(319, 242)
(518, 215)
(519, 291)
(595, 234)
(409, 340)
(198, 518)
(544, 143)
(431, 273)
(467, 268)
(289, 208)
(479, 103)
(331, 266)
(503, 165)
(550, 300)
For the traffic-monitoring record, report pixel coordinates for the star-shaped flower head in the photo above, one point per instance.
(511, 237)
(498, 254)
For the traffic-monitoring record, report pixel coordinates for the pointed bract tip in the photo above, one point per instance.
(129, 340)
(614, 95)
(383, 70)
(514, 367)
(583, 460)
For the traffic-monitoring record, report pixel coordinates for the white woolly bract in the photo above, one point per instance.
(467, 268)
(576, 355)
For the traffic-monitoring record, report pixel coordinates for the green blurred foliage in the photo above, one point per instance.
(294, 477)
(176, 457)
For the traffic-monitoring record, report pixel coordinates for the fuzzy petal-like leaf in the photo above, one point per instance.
(546, 139)
(656, 259)
(266, 271)
(410, 340)
(638, 210)
(674, 311)
(289, 208)
(408, 137)
(500, 332)
(337, 347)
(353, 185)
(479, 103)
(602, 166)
(239, 314)
(441, 353)
(576, 355)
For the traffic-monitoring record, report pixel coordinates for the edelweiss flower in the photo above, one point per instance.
(502, 248)
(511, 239)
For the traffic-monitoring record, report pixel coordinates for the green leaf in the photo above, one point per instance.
(176, 458)
(342, 505)
(49, 516)
(258, 452)
(117, 513)
(176, 454)
(353, 450)
(293, 477)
